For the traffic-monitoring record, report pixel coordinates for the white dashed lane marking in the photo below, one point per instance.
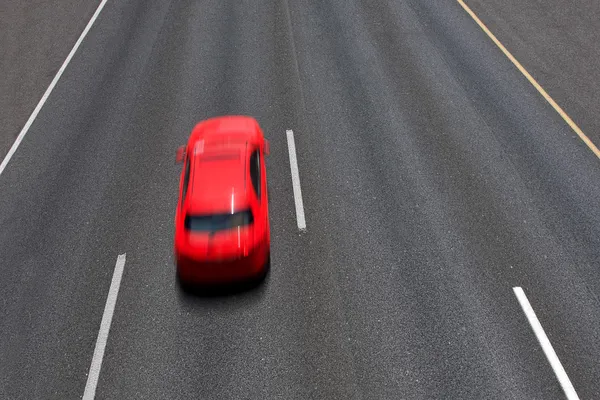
(296, 181)
(559, 371)
(109, 309)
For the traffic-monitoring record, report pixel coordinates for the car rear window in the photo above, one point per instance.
(218, 222)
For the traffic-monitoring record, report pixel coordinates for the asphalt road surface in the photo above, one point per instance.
(435, 179)
(35, 38)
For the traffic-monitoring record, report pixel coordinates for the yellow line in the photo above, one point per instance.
(559, 110)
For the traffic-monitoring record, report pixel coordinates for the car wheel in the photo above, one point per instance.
(265, 271)
(183, 285)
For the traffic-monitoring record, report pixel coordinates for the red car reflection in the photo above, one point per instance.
(222, 229)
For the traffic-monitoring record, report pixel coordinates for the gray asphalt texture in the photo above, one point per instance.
(557, 42)
(434, 178)
(35, 39)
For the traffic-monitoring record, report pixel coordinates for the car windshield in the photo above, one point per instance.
(218, 222)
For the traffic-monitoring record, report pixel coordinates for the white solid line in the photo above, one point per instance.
(296, 180)
(559, 371)
(111, 300)
(535, 84)
(42, 101)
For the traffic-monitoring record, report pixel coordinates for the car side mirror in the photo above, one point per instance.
(267, 147)
(180, 154)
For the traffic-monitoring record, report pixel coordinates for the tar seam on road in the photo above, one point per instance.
(541, 90)
(48, 91)
(294, 53)
(111, 301)
(296, 180)
(559, 371)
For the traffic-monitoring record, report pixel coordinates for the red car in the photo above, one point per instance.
(222, 232)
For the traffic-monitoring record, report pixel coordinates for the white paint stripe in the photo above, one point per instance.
(42, 101)
(546, 345)
(296, 180)
(92, 381)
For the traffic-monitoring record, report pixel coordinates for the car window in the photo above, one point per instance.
(218, 222)
(186, 179)
(255, 171)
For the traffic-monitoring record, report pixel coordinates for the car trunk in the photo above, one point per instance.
(221, 245)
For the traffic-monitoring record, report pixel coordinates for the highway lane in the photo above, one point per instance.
(62, 210)
(434, 178)
(435, 146)
(96, 177)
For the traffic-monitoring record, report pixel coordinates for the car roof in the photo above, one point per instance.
(229, 126)
(219, 153)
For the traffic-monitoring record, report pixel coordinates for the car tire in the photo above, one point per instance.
(265, 271)
(183, 285)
